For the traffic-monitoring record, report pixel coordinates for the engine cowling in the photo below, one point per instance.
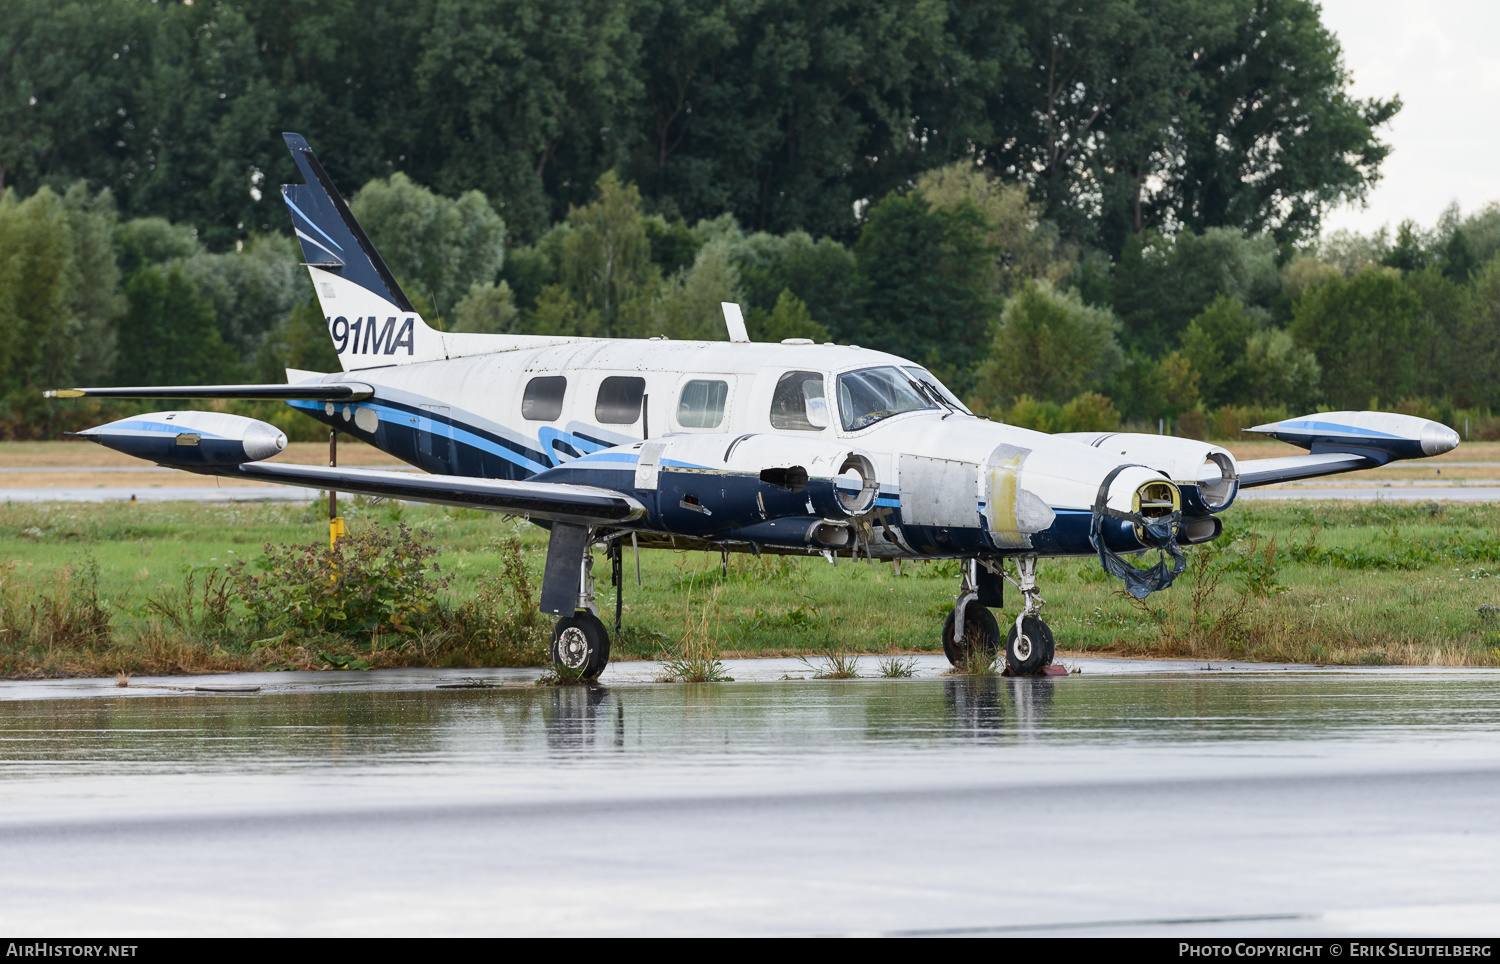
(1205, 473)
(190, 439)
(718, 484)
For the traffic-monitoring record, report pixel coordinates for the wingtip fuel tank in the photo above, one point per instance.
(190, 439)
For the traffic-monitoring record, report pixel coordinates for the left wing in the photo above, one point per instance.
(218, 443)
(554, 501)
(321, 391)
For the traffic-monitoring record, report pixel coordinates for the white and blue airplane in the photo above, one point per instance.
(726, 446)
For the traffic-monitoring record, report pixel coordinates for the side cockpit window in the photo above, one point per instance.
(799, 403)
(619, 401)
(701, 404)
(543, 399)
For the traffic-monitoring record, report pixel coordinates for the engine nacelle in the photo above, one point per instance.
(189, 439)
(1204, 472)
(838, 480)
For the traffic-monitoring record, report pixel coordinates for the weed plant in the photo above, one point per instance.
(898, 667)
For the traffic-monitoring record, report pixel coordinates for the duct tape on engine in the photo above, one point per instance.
(1159, 533)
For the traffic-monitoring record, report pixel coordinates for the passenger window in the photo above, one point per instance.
(619, 401)
(701, 404)
(799, 403)
(543, 400)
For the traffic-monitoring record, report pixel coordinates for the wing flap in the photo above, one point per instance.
(553, 501)
(1290, 468)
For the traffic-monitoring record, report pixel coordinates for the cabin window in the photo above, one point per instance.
(701, 404)
(619, 401)
(543, 399)
(872, 394)
(799, 403)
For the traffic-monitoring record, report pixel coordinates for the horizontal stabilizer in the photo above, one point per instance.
(319, 391)
(554, 501)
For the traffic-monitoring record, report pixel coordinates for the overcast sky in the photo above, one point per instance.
(1442, 57)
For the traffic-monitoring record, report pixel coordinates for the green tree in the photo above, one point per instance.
(439, 244)
(557, 312)
(1360, 330)
(788, 319)
(1049, 345)
(1477, 343)
(487, 308)
(299, 340)
(1214, 344)
(37, 327)
(690, 304)
(927, 273)
(1279, 372)
(94, 299)
(1268, 138)
(1024, 247)
(606, 257)
(251, 291)
(1161, 284)
(168, 335)
(823, 275)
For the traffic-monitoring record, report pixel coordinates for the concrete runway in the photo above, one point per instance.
(1132, 798)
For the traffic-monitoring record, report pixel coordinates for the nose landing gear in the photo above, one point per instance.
(1029, 646)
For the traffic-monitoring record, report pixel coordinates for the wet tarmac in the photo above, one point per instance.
(1131, 798)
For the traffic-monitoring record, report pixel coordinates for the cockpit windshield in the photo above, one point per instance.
(937, 389)
(872, 394)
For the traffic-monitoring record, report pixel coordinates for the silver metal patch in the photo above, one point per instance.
(939, 492)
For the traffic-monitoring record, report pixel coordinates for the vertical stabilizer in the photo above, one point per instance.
(370, 320)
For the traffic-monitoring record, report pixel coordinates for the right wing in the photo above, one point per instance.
(1293, 467)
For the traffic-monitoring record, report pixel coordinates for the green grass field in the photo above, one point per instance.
(1305, 582)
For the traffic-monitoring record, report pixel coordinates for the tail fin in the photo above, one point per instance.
(370, 319)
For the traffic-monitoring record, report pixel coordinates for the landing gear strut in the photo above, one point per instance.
(1029, 646)
(580, 641)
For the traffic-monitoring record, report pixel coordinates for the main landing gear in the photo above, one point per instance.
(1029, 645)
(580, 640)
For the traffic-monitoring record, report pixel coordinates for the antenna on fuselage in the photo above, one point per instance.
(734, 321)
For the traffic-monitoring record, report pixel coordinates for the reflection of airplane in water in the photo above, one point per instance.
(989, 705)
(584, 716)
(725, 446)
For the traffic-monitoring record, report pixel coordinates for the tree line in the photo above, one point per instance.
(1119, 115)
(1078, 215)
(1204, 332)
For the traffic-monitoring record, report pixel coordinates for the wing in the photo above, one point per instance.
(1344, 442)
(1293, 467)
(552, 501)
(320, 391)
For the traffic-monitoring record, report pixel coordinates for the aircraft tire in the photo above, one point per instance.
(980, 628)
(580, 644)
(1028, 656)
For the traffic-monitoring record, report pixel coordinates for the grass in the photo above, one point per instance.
(118, 588)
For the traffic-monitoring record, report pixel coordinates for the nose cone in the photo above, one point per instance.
(1437, 439)
(263, 441)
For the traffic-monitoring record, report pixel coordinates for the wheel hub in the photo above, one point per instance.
(1023, 647)
(573, 647)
